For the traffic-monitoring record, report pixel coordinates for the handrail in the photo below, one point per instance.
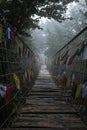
(71, 40)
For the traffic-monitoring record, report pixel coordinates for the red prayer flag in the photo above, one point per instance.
(8, 93)
(12, 36)
(23, 51)
(73, 86)
(70, 60)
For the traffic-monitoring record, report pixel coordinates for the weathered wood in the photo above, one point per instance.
(46, 108)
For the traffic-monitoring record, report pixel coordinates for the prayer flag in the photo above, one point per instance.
(78, 90)
(12, 36)
(72, 77)
(9, 30)
(25, 74)
(29, 74)
(85, 52)
(5, 32)
(65, 62)
(17, 81)
(68, 83)
(8, 93)
(84, 89)
(2, 90)
(73, 87)
(70, 60)
(80, 45)
(23, 50)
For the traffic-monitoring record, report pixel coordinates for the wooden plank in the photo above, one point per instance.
(46, 120)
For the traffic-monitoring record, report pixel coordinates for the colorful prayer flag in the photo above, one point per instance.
(12, 36)
(68, 83)
(23, 50)
(65, 62)
(25, 74)
(78, 90)
(85, 52)
(73, 87)
(17, 81)
(5, 32)
(84, 89)
(9, 30)
(70, 60)
(2, 90)
(8, 93)
(29, 74)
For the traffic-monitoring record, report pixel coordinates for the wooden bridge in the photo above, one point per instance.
(46, 107)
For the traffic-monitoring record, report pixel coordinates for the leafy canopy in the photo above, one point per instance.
(18, 12)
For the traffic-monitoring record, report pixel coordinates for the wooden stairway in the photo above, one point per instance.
(46, 108)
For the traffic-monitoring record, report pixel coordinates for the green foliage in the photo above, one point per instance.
(19, 12)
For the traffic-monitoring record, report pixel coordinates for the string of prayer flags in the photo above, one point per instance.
(78, 90)
(8, 34)
(2, 90)
(8, 93)
(1, 33)
(84, 89)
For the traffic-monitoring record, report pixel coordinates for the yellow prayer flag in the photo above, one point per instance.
(80, 45)
(78, 90)
(16, 79)
(1, 33)
(29, 72)
(68, 83)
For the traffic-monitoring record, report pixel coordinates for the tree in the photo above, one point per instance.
(18, 12)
